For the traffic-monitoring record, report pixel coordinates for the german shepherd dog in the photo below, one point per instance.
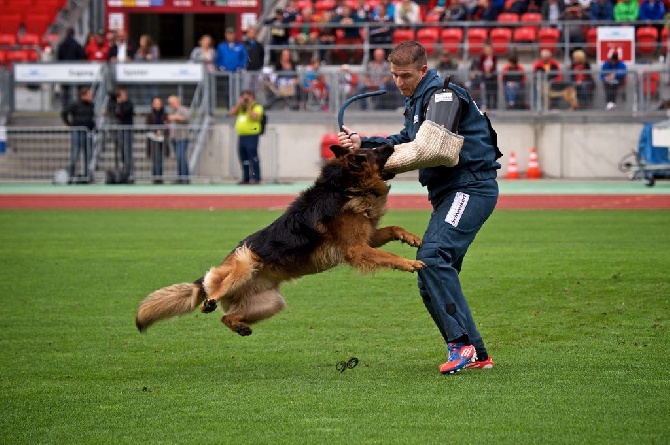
(332, 222)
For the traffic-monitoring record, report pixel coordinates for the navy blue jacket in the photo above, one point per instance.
(479, 153)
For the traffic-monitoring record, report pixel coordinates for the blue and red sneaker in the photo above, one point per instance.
(460, 355)
(481, 364)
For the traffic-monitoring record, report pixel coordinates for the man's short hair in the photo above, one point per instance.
(407, 53)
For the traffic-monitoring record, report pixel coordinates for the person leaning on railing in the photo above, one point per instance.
(80, 115)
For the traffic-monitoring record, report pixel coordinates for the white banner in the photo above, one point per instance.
(62, 73)
(159, 72)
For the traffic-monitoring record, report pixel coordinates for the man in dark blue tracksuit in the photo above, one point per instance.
(463, 197)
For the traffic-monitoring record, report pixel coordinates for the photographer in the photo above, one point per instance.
(124, 112)
(248, 115)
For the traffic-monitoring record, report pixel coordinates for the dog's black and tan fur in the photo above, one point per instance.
(332, 222)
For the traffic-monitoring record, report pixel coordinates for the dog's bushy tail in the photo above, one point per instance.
(171, 301)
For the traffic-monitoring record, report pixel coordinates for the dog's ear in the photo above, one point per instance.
(339, 151)
(385, 150)
(356, 161)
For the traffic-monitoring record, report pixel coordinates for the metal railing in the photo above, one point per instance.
(142, 152)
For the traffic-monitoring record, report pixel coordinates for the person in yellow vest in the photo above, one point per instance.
(248, 114)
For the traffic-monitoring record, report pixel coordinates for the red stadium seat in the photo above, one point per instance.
(8, 39)
(508, 17)
(9, 24)
(38, 23)
(2, 58)
(29, 40)
(591, 40)
(548, 38)
(476, 39)
(432, 17)
(327, 140)
(524, 34)
(500, 40)
(402, 34)
(645, 38)
(650, 82)
(428, 37)
(324, 5)
(452, 38)
(531, 19)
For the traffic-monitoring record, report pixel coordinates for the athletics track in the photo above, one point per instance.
(517, 194)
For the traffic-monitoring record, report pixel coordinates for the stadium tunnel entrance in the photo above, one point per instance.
(177, 34)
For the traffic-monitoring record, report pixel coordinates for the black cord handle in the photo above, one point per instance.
(340, 113)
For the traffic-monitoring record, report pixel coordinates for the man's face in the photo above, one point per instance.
(407, 77)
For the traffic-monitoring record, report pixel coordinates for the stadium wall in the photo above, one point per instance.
(565, 150)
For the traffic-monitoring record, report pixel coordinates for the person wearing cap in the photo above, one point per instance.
(231, 56)
(279, 32)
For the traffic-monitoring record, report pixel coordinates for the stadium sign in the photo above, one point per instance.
(619, 39)
(57, 72)
(159, 72)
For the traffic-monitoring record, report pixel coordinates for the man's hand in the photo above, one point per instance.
(349, 138)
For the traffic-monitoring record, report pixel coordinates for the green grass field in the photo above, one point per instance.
(574, 307)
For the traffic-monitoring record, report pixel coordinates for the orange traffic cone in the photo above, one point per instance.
(533, 171)
(512, 170)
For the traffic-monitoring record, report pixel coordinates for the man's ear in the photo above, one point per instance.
(339, 151)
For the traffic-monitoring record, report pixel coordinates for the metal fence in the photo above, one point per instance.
(141, 152)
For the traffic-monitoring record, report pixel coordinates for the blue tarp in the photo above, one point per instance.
(650, 154)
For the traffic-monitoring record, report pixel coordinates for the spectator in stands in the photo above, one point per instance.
(310, 81)
(97, 48)
(389, 8)
(255, 58)
(375, 72)
(327, 37)
(80, 116)
(653, 10)
(350, 25)
(514, 81)
(492, 9)
(552, 11)
(147, 51)
(307, 34)
(248, 114)
(456, 12)
(122, 50)
(574, 15)
(407, 13)
(291, 10)
(156, 146)
(279, 32)
(582, 78)
(177, 121)
(602, 10)
(363, 10)
(287, 82)
(348, 81)
(488, 65)
(69, 50)
(205, 53)
(552, 78)
(518, 6)
(124, 111)
(231, 56)
(381, 29)
(613, 76)
(626, 11)
(548, 65)
(446, 66)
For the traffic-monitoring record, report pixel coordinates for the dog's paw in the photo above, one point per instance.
(417, 264)
(208, 306)
(243, 330)
(411, 239)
